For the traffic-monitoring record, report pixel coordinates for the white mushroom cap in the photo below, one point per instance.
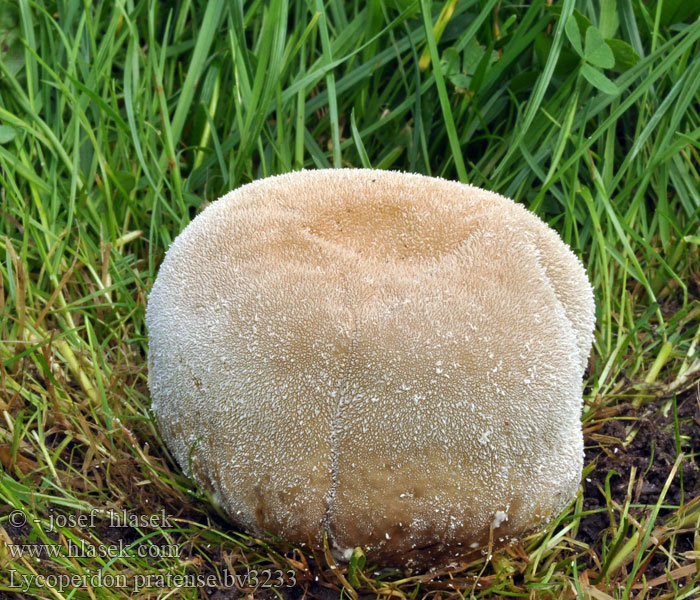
(392, 358)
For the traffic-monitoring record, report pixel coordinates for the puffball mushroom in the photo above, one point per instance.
(391, 359)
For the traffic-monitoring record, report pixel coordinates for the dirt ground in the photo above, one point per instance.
(653, 451)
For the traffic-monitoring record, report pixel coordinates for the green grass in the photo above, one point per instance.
(120, 120)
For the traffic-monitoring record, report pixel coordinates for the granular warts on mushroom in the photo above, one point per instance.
(391, 358)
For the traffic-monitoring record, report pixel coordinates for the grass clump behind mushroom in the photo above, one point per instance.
(118, 124)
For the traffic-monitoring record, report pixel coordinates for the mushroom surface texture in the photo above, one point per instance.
(392, 359)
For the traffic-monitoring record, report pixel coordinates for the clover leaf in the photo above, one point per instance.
(596, 51)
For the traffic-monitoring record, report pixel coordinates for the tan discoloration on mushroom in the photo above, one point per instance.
(393, 358)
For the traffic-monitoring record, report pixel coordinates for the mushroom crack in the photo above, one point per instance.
(343, 385)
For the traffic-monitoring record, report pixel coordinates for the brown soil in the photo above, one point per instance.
(653, 451)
